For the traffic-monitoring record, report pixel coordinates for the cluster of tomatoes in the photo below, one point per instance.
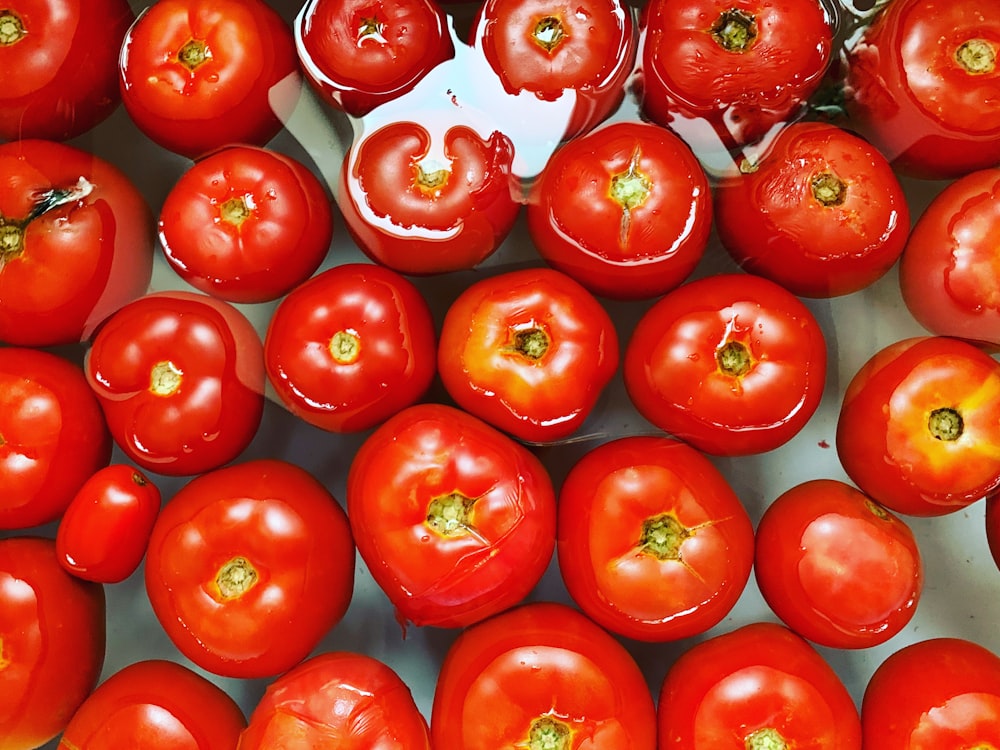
(389, 373)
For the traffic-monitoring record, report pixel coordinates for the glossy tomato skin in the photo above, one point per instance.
(626, 210)
(732, 363)
(455, 520)
(78, 243)
(350, 347)
(337, 699)
(839, 595)
(918, 428)
(249, 566)
(180, 377)
(756, 687)
(558, 675)
(653, 542)
(529, 351)
(197, 75)
(52, 435)
(53, 635)
(246, 224)
(821, 212)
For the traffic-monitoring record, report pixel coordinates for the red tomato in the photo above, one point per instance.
(249, 566)
(653, 543)
(626, 210)
(60, 59)
(941, 693)
(918, 83)
(351, 347)
(52, 436)
(565, 684)
(949, 273)
(52, 641)
(919, 426)
(993, 526)
(246, 224)
(180, 377)
(423, 202)
(755, 688)
(732, 363)
(76, 243)
(455, 520)
(358, 54)
(853, 595)
(196, 75)
(338, 700)
(529, 351)
(821, 212)
(103, 534)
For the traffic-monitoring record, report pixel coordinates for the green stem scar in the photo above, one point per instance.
(735, 30)
(662, 537)
(371, 29)
(547, 733)
(630, 189)
(345, 347)
(946, 424)
(450, 515)
(828, 189)
(733, 359)
(549, 33)
(235, 211)
(976, 57)
(531, 343)
(11, 28)
(235, 578)
(195, 52)
(766, 739)
(165, 378)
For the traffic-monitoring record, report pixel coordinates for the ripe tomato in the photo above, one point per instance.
(246, 224)
(626, 210)
(249, 566)
(529, 351)
(180, 377)
(566, 684)
(455, 520)
(993, 526)
(755, 688)
(821, 212)
(52, 641)
(52, 436)
(839, 595)
(104, 532)
(196, 75)
(732, 363)
(919, 426)
(60, 63)
(337, 699)
(76, 243)
(653, 543)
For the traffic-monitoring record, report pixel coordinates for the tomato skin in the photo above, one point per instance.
(249, 566)
(726, 692)
(582, 227)
(405, 478)
(379, 326)
(553, 663)
(609, 561)
(890, 443)
(52, 640)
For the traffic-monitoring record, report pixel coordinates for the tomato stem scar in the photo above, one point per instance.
(371, 29)
(549, 33)
(235, 578)
(733, 359)
(828, 189)
(165, 378)
(547, 733)
(11, 28)
(735, 30)
(877, 510)
(531, 343)
(945, 424)
(11, 241)
(766, 739)
(448, 515)
(662, 537)
(235, 211)
(345, 347)
(976, 57)
(431, 180)
(138, 479)
(193, 53)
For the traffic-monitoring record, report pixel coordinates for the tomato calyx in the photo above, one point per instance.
(828, 189)
(165, 378)
(548, 733)
(548, 33)
(630, 189)
(12, 230)
(237, 210)
(662, 537)
(945, 424)
(735, 30)
(734, 359)
(531, 343)
(236, 578)
(976, 57)
(766, 739)
(345, 347)
(371, 29)
(11, 28)
(194, 53)
(449, 515)
(430, 177)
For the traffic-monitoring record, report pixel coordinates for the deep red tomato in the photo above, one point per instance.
(993, 526)
(653, 542)
(351, 347)
(949, 273)
(52, 436)
(530, 351)
(180, 377)
(349, 701)
(626, 210)
(455, 520)
(566, 684)
(76, 243)
(941, 693)
(919, 426)
(821, 212)
(358, 54)
(732, 363)
(918, 82)
(249, 566)
(52, 642)
(196, 75)
(853, 595)
(756, 688)
(246, 224)
(104, 532)
(60, 63)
